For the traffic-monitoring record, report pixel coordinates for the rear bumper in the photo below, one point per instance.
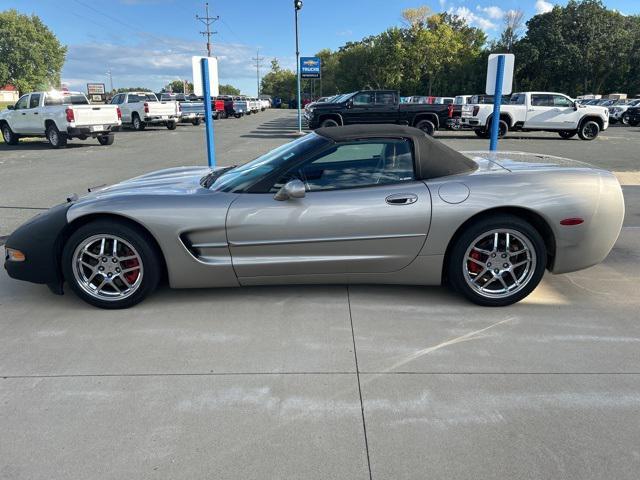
(87, 131)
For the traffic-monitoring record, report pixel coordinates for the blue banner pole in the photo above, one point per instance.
(208, 113)
(497, 99)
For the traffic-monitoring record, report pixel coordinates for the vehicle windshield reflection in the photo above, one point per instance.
(245, 175)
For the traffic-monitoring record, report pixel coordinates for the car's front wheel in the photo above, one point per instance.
(427, 126)
(589, 130)
(497, 261)
(329, 122)
(10, 138)
(111, 264)
(625, 119)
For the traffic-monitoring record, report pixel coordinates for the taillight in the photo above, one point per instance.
(450, 110)
(119, 113)
(146, 107)
(70, 115)
(476, 109)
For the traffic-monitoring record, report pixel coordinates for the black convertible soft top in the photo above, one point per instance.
(433, 158)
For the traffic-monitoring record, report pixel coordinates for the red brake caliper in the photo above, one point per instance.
(132, 276)
(473, 266)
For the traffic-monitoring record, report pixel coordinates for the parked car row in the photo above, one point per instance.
(60, 116)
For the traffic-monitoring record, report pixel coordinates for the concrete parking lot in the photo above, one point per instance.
(382, 382)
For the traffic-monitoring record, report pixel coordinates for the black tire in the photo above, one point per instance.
(10, 138)
(137, 124)
(612, 121)
(138, 238)
(196, 122)
(625, 119)
(567, 134)
(634, 123)
(172, 125)
(503, 128)
(106, 139)
(458, 264)
(237, 115)
(589, 130)
(427, 126)
(55, 138)
(482, 133)
(329, 123)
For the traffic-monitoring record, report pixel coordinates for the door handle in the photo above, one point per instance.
(24, 113)
(35, 113)
(401, 199)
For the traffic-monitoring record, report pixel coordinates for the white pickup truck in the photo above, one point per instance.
(140, 109)
(538, 111)
(59, 116)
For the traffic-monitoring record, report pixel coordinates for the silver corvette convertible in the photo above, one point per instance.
(355, 204)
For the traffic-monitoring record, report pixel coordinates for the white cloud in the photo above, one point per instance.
(492, 11)
(542, 6)
(443, 4)
(473, 18)
(154, 64)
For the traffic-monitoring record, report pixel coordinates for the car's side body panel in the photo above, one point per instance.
(329, 232)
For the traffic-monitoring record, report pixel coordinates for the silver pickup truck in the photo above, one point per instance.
(192, 110)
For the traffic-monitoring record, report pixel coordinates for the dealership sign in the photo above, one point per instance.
(310, 67)
(95, 88)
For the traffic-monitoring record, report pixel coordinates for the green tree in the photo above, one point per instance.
(31, 57)
(279, 82)
(131, 89)
(229, 90)
(177, 86)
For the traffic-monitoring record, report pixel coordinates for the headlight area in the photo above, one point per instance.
(13, 255)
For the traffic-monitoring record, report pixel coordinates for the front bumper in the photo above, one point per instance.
(469, 122)
(40, 239)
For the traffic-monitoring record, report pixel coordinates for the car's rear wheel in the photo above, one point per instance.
(589, 130)
(427, 126)
(106, 139)
(503, 128)
(497, 261)
(481, 133)
(625, 119)
(137, 124)
(329, 122)
(567, 134)
(55, 137)
(172, 125)
(110, 264)
(10, 138)
(196, 122)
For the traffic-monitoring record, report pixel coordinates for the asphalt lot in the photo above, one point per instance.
(383, 382)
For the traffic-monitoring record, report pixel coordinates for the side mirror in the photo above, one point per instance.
(11, 107)
(350, 103)
(575, 106)
(292, 189)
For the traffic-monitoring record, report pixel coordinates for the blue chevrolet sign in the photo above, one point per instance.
(310, 67)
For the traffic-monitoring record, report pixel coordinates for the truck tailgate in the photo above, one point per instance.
(95, 114)
(157, 109)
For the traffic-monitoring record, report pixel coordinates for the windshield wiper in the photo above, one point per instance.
(210, 178)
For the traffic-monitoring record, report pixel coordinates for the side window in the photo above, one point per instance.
(385, 98)
(560, 101)
(34, 102)
(539, 100)
(134, 99)
(23, 102)
(517, 99)
(363, 99)
(358, 164)
(116, 100)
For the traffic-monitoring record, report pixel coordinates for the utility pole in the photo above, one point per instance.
(110, 78)
(258, 59)
(297, 5)
(207, 21)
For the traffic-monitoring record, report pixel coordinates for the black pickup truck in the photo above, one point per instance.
(377, 106)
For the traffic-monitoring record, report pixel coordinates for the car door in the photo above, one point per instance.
(18, 121)
(124, 108)
(363, 212)
(360, 110)
(33, 122)
(550, 111)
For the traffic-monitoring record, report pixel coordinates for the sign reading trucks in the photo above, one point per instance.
(310, 67)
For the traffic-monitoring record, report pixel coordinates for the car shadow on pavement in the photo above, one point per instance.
(510, 136)
(277, 128)
(43, 145)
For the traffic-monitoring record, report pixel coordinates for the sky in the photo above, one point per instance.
(148, 43)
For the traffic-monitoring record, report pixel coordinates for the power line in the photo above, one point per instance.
(207, 21)
(258, 59)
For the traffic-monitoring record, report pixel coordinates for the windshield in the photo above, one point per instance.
(246, 175)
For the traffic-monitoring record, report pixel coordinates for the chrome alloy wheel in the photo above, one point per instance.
(107, 267)
(499, 263)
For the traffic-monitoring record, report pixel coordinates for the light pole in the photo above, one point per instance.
(297, 5)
